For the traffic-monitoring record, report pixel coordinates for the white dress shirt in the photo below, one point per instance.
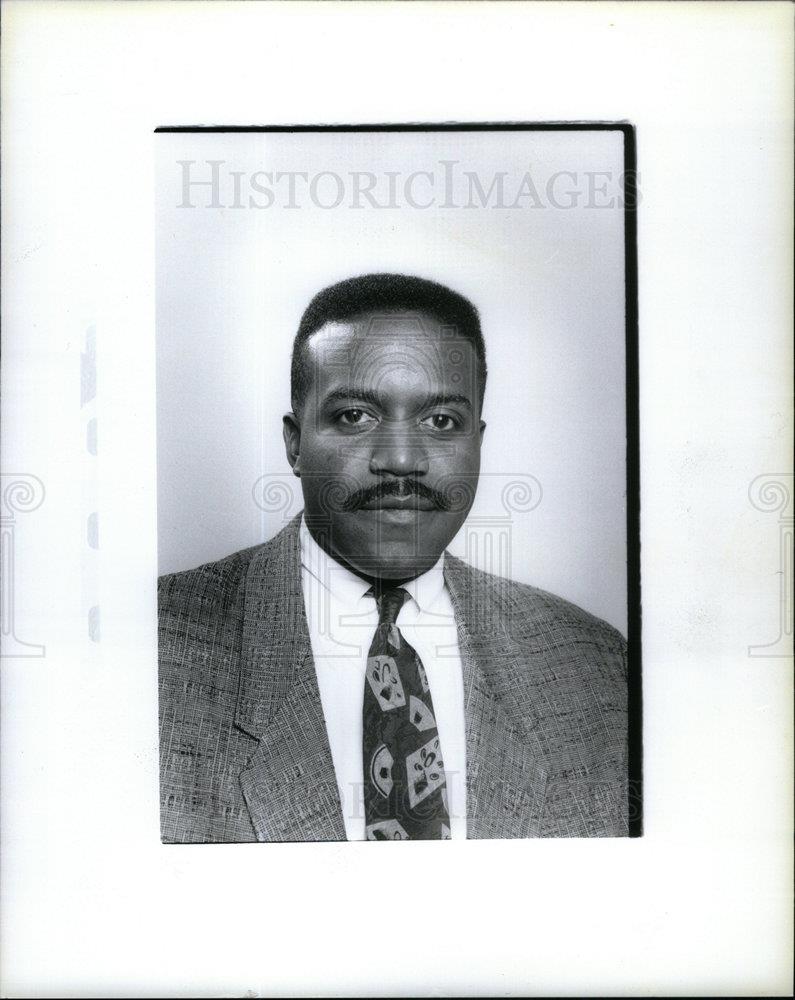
(342, 623)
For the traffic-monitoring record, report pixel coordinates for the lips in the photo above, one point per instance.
(410, 503)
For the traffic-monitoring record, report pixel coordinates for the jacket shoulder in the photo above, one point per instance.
(526, 610)
(211, 582)
(561, 674)
(200, 617)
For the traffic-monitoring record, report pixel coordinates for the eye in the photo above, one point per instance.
(441, 422)
(354, 418)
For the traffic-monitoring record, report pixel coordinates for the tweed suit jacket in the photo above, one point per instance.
(243, 745)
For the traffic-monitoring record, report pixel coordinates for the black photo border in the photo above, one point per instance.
(632, 412)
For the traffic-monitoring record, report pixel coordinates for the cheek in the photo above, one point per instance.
(329, 471)
(344, 457)
(456, 473)
(320, 452)
(463, 457)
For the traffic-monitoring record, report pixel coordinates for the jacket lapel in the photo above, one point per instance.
(505, 782)
(289, 785)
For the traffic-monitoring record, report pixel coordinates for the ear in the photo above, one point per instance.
(291, 431)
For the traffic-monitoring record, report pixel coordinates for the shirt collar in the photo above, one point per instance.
(348, 588)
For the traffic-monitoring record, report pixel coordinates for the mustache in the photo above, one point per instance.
(401, 488)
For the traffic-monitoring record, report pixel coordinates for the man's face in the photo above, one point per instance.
(387, 443)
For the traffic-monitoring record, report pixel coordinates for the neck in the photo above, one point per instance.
(378, 582)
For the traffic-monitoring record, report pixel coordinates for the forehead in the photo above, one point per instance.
(402, 347)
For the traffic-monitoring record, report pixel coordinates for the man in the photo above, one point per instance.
(349, 679)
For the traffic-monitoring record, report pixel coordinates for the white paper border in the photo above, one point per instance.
(92, 904)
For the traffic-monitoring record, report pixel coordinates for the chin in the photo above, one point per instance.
(387, 549)
(396, 562)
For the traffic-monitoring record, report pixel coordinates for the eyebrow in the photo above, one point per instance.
(366, 395)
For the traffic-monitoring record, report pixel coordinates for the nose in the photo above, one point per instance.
(399, 451)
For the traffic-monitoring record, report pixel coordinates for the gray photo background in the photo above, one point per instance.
(547, 277)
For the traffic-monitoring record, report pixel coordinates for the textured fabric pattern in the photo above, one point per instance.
(404, 780)
(244, 751)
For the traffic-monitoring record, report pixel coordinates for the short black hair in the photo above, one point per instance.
(383, 293)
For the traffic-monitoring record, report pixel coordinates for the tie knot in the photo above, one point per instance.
(389, 604)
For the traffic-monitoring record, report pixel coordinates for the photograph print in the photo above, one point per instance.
(398, 593)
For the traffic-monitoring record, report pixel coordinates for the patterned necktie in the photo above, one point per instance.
(405, 797)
